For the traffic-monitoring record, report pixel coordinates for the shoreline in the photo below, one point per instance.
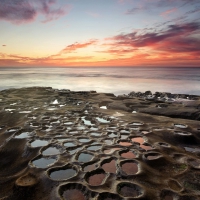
(146, 95)
(89, 145)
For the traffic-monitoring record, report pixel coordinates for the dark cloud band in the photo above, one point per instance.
(24, 11)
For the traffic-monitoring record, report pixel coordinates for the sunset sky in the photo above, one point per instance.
(99, 33)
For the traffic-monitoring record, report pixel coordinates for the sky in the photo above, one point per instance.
(98, 33)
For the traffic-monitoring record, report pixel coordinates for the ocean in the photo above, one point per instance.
(109, 80)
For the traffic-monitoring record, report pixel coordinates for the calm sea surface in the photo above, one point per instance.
(114, 80)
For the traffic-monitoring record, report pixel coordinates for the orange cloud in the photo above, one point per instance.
(139, 59)
(76, 45)
(177, 45)
(17, 60)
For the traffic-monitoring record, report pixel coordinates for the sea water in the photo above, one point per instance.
(110, 80)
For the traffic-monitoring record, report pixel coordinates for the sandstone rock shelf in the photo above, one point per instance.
(98, 145)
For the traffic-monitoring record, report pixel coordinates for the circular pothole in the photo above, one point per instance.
(94, 147)
(130, 167)
(180, 125)
(62, 173)
(136, 124)
(125, 143)
(74, 191)
(127, 154)
(51, 151)
(138, 140)
(129, 189)
(70, 144)
(85, 157)
(153, 156)
(182, 133)
(163, 144)
(84, 140)
(43, 162)
(109, 165)
(96, 177)
(39, 143)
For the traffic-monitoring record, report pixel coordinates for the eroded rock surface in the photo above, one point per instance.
(59, 144)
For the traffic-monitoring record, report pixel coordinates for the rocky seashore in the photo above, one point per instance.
(60, 144)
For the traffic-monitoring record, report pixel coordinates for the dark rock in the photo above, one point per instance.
(118, 106)
(148, 92)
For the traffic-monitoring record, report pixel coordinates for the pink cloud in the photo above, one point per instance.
(176, 38)
(167, 12)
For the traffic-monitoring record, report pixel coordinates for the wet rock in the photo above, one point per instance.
(118, 106)
(80, 151)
